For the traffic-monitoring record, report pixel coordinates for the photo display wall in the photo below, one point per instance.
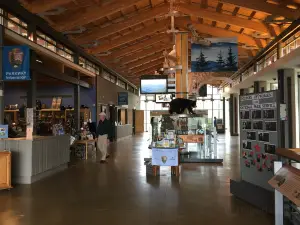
(258, 137)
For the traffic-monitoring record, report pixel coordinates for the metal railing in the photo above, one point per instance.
(287, 41)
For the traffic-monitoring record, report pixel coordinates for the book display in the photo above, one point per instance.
(195, 139)
(259, 137)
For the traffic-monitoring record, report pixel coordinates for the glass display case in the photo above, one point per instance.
(196, 139)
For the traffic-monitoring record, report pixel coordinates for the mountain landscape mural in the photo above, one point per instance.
(221, 55)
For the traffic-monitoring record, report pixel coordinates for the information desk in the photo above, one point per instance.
(123, 131)
(36, 159)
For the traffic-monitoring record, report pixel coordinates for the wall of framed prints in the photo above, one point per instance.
(259, 124)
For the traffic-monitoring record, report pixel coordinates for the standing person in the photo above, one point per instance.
(215, 122)
(104, 135)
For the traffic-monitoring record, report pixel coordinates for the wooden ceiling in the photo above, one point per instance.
(130, 35)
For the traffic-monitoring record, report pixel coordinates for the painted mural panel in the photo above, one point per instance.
(221, 55)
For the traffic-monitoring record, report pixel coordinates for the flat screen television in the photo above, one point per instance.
(163, 98)
(154, 84)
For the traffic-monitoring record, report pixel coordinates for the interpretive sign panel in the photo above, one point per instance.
(287, 182)
(259, 114)
(165, 156)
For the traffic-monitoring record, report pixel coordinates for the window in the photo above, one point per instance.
(121, 84)
(46, 41)
(106, 75)
(16, 25)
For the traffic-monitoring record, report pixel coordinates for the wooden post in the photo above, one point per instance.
(182, 64)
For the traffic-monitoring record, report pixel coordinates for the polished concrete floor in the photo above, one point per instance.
(120, 193)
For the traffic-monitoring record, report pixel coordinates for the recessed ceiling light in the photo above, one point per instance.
(292, 6)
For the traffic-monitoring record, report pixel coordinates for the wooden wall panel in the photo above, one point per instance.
(130, 115)
(139, 121)
(5, 170)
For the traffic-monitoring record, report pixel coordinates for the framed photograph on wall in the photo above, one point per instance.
(163, 98)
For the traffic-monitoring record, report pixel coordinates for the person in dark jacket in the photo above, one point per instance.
(104, 133)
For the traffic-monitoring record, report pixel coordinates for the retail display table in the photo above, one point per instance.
(86, 144)
(36, 159)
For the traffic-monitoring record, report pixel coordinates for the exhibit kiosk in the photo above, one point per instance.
(197, 140)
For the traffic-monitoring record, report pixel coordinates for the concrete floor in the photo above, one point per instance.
(119, 193)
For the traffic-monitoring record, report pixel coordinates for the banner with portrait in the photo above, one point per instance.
(16, 63)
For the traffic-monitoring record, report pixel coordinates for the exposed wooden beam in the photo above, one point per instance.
(164, 38)
(147, 59)
(225, 18)
(263, 6)
(40, 6)
(91, 14)
(219, 7)
(158, 62)
(217, 32)
(235, 11)
(155, 27)
(149, 71)
(96, 34)
(144, 52)
(204, 4)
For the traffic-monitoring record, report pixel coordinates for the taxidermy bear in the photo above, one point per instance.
(179, 105)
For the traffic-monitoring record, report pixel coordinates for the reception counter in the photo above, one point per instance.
(36, 159)
(123, 131)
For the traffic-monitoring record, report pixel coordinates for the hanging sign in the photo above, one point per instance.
(122, 98)
(16, 62)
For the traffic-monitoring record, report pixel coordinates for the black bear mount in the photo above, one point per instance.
(179, 105)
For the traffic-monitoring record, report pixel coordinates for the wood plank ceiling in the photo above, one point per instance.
(130, 35)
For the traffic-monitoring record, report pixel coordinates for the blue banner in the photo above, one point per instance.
(16, 63)
(123, 98)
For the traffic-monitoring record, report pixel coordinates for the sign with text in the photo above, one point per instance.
(287, 182)
(122, 98)
(165, 156)
(16, 63)
(198, 138)
(3, 131)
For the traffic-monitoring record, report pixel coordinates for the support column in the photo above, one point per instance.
(256, 87)
(182, 61)
(233, 115)
(77, 104)
(288, 96)
(1, 76)
(242, 91)
(32, 32)
(224, 114)
(31, 90)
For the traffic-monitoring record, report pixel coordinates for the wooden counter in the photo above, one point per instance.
(289, 153)
(36, 159)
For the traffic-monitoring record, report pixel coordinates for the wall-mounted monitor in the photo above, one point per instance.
(154, 84)
(163, 98)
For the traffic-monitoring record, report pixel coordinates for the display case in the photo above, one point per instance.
(197, 140)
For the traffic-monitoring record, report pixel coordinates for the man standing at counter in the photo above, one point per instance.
(103, 134)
